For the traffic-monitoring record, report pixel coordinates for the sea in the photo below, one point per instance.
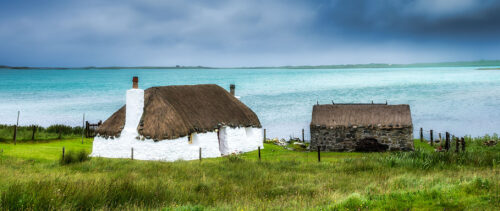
(459, 100)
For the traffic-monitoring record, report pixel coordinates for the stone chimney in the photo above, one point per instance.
(232, 87)
(135, 82)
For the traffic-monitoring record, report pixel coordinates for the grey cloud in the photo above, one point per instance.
(244, 33)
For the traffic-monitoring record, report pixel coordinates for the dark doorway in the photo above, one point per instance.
(370, 145)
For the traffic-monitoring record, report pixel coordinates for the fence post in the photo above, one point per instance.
(15, 135)
(63, 154)
(15, 128)
(200, 154)
(303, 140)
(83, 125)
(463, 144)
(447, 142)
(319, 155)
(432, 138)
(440, 139)
(265, 135)
(87, 131)
(34, 131)
(421, 134)
(259, 153)
(132, 153)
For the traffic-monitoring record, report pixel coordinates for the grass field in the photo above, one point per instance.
(32, 178)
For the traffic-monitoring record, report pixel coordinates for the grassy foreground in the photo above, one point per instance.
(32, 178)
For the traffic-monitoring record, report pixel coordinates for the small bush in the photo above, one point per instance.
(480, 183)
(202, 188)
(74, 157)
(234, 158)
(354, 202)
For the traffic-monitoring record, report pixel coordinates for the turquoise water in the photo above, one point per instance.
(460, 100)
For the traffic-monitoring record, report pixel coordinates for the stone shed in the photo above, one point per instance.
(361, 127)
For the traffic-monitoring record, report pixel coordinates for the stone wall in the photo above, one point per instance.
(349, 138)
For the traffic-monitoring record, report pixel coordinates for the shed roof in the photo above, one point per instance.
(175, 111)
(333, 115)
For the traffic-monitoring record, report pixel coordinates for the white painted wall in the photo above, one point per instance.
(237, 140)
(165, 150)
(233, 140)
(255, 137)
(240, 139)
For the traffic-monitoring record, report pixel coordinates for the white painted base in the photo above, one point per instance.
(166, 150)
(237, 140)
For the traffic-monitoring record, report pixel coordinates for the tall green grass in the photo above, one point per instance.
(282, 180)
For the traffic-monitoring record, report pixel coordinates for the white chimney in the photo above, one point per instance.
(134, 107)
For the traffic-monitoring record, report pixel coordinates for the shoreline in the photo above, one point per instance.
(494, 68)
(480, 63)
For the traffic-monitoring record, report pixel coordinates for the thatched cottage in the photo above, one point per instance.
(173, 122)
(361, 127)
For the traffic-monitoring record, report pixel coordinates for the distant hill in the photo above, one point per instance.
(110, 67)
(481, 63)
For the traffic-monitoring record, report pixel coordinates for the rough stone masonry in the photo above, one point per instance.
(361, 127)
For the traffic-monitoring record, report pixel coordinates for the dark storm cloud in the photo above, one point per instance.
(464, 20)
(245, 33)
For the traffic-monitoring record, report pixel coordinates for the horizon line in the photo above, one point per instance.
(327, 66)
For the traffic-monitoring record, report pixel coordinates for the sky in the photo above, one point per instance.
(222, 33)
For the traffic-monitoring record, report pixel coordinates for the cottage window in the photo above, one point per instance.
(190, 138)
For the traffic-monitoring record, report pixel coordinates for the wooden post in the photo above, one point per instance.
(34, 131)
(200, 154)
(463, 144)
(15, 134)
(15, 128)
(457, 144)
(421, 134)
(447, 142)
(432, 138)
(63, 154)
(259, 153)
(440, 139)
(83, 125)
(87, 129)
(265, 135)
(303, 140)
(319, 155)
(132, 153)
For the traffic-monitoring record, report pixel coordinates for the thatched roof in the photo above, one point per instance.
(333, 115)
(175, 111)
(113, 125)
